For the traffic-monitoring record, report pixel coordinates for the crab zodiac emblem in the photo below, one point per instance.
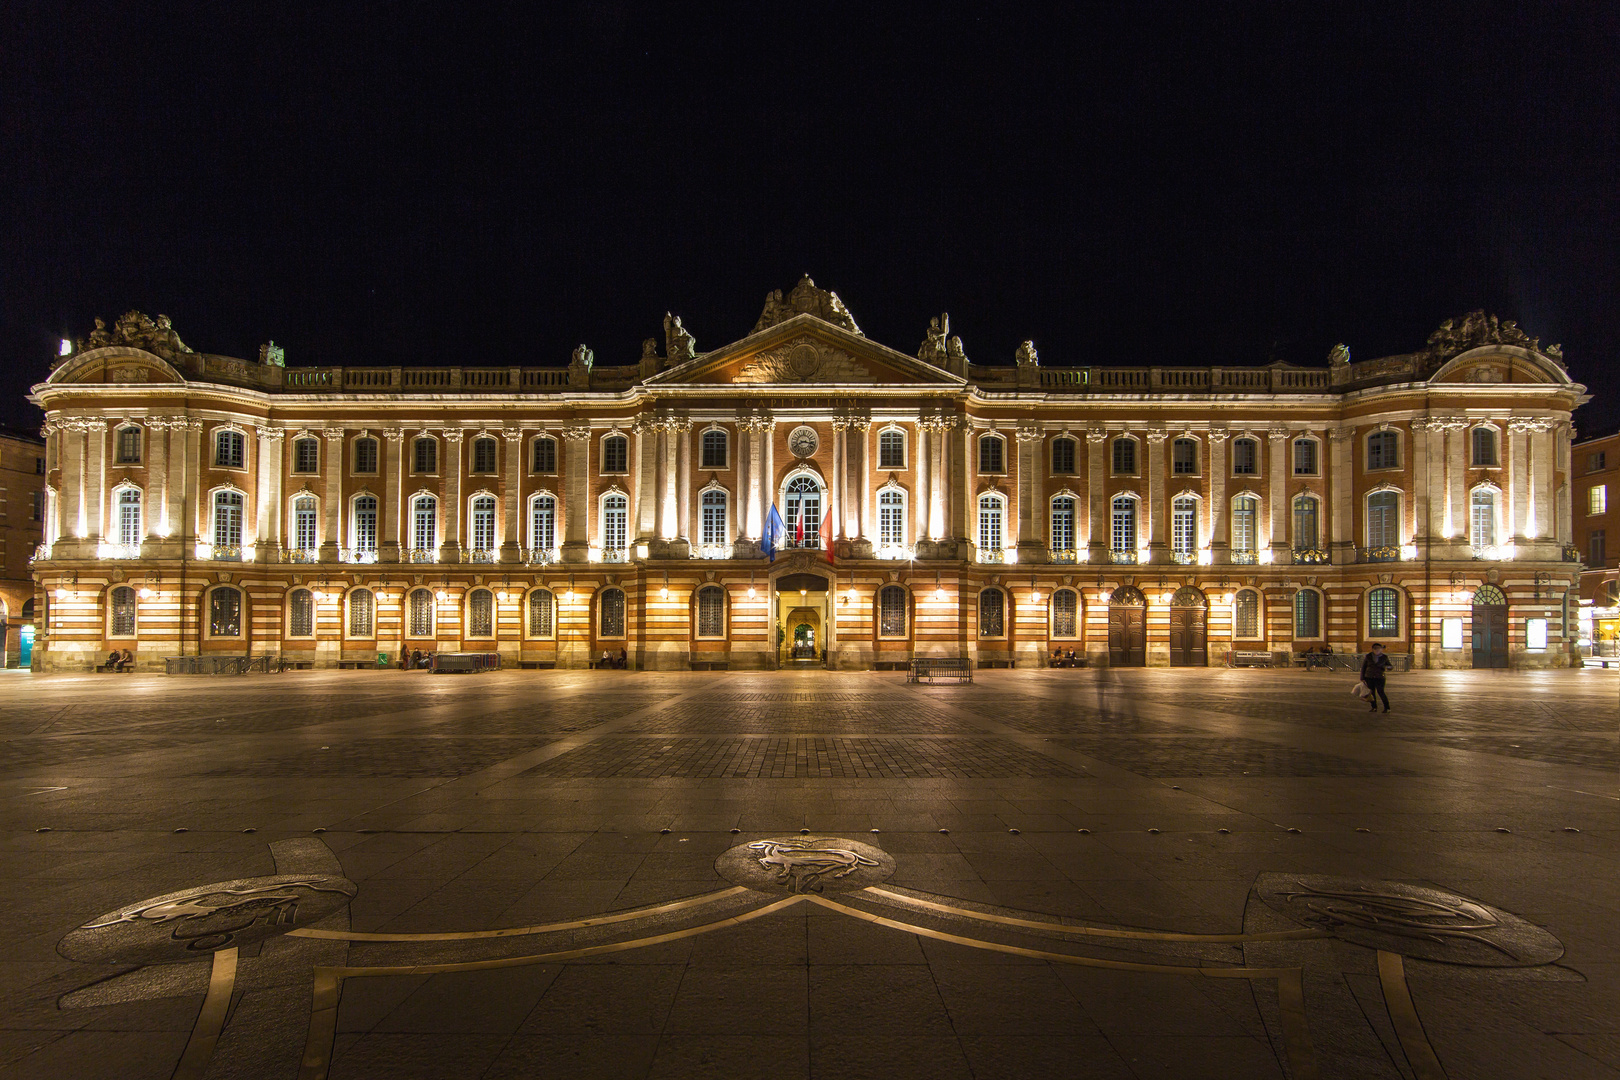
(801, 865)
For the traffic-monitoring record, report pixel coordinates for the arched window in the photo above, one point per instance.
(1246, 614)
(227, 520)
(306, 455)
(891, 449)
(1184, 457)
(129, 446)
(300, 613)
(1305, 457)
(545, 455)
(425, 455)
(129, 517)
(803, 506)
(1122, 534)
(424, 524)
(1489, 596)
(1383, 519)
(615, 522)
(1307, 614)
(1184, 526)
(421, 613)
(483, 455)
(1484, 440)
(1482, 518)
(1065, 613)
(1125, 455)
(714, 449)
(610, 613)
(992, 518)
(480, 613)
(542, 614)
(230, 449)
(1383, 450)
(304, 524)
(615, 454)
(365, 524)
(891, 518)
(362, 613)
(992, 454)
(891, 612)
(482, 530)
(1245, 457)
(225, 612)
(542, 523)
(1307, 524)
(992, 614)
(1064, 510)
(714, 517)
(711, 612)
(1245, 515)
(365, 454)
(123, 612)
(1383, 613)
(1063, 455)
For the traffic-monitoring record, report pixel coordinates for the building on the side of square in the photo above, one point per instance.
(22, 527)
(1597, 537)
(929, 505)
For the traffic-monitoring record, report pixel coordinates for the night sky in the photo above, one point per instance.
(1142, 183)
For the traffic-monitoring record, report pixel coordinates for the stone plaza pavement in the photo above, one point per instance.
(1167, 873)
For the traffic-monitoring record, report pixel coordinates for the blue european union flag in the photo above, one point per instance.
(775, 528)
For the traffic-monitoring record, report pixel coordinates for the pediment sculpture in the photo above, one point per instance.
(804, 359)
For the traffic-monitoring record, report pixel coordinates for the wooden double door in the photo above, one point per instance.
(1490, 635)
(1127, 636)
(1189, 637)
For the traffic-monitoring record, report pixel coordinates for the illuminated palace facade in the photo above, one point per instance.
(1150, 516)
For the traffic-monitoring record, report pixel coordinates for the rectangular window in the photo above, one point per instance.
(543, 524)
(483, 455)
(714, 449)
(616, 454)
(425, 525)
(1065, 613)
(892, 612)
(540, 614)
(1184, 457)
(425, 455)
(714, 518)
(361, 610)
(891, 519)
(1382, 450)
(304, 525)
(1125, 456)
(1305, 457)
(129, 519)
(545, 455)
(1184, 527)
(1123, 537)
(1063, 509)
(711, 612)
(892, 450)
(1482, 519)
(306, 456)
(39, 505)
(129, 446)
(990, 456)
(615, 512)
(230, 450)
(1535, 635)
(1596, 461)
(1384, 613)
(365, 523)
(1063, 456)
(1597, 499)
(39, 466)
(1307, 614)
(365, 455)
(483, 524)
(227, 520)
(989, 525)
(1383, 519)
(1306, 533)
(1245, 457)
(1598, 550)
(1244, 513)
(225, 613)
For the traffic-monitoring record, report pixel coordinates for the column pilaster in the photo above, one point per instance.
(1096, 518)
(1340, 441)
(392, 508)
(450, 503)
(1030, 547)
(576, 496)
(1157, 511)
(332, 504)
(512, 500)
(1277, 468)
(1219, 514)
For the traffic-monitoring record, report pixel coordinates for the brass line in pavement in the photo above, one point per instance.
(1403, 1013)
(520, 931)
(210, 1019)
(328, 981)
(1097, 931)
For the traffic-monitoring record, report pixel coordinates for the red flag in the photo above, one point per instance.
(826, 534)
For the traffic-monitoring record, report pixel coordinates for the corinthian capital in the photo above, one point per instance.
(1277, 434)
(577, 433)
(454, 435)
(1028, 431)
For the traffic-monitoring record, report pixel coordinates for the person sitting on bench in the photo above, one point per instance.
(124, 661)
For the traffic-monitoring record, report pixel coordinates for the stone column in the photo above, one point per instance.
(768, 437)
(1518, 502)
(752, 426)
(664, 467)
(73, 525)
(920, 470)
(271, 467)
(1340, 442)
(577, 495)
(1277, 466)
(332, 537)
(1220, 515)
(1562, 510)
(1030, 547)
(1419, 426)
(511, 535)
(95, 481)
(863, 497)
(646, 479)
(1096, 517)
(197, 522)
(450, 502)
(1154, 504)
(1437, 525)
(939, 436)
(157, 486)
(837, 496)
(1541, 482)
(1457, 480)
(681, 432)
(392, 508)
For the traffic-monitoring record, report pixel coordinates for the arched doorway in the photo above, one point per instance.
(1189, 622)
(803, 632)
(1490, 627)
(1127, 628)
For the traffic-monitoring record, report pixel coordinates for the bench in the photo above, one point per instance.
(1250, 659)
(932, 667)
(466, 662)
(115, 669)
(1589, 661)
(357, 665)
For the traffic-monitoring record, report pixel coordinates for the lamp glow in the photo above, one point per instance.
(146, 594)
(750, 592)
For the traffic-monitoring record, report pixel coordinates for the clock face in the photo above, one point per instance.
(803, 441)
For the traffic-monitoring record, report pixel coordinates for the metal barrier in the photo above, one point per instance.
(219, 665)
(930, 667)
(466, 662)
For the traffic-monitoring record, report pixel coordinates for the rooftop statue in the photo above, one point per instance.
(1026, 355)
(678, 344)
(582, 358)
(137, 331)
(1476, 329)
(99, 336)
(649, 348)
(1340, 354)
(807, 298)
(954, 353)
(932, 350)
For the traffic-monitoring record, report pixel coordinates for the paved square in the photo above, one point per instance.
(1161, 873)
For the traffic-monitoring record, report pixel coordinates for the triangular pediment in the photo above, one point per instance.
(804, 351)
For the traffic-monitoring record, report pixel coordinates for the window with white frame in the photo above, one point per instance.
(711, 612)
(227, 519)
(1065, 613)
(1383, 519)
(545, 455)
(1184, 526)
(482, 531)
(123, 612)
(1383, 450)
(1122, 533)
(300, 613)
(615, 454)
(483, 456)
(424, 523)
(1484, 447)
(1245, 457)
(992, 454)
(305, 521)
(420, 613)
(1245, 515)
(1597, 499)
(225, 612)
(992, 513)
(803, 510)
(1064, 509)
(1246, 614)
(615, 522)
(992, 614)
(480, 613)
(1125, 455)
(129, 517)
(1063, 455)
(542, 523)
(1482, 518)
(891, 518)
(1307, 523)
(610, 613)
(129, 446)
(891, 449)
(230, 449)
(425, 455)
(542, 613)
(365, 454)
(306, 455)
(1184, 457)
(362, 613)
(1307, 614)
(714, 449)
(1305, 458)
(892, 612)
(1383, 613)
(365, 523)
(714, 517)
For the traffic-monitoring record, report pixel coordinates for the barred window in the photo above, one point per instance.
(541, 608)
(1063, 513)
(365, 523)
(481, 613)
(545, 455)
(892, 612)
(483, 455)
(542, 523)
(1065, 613)
(1125, 455)
(1484, 446)
(225, 612)
(714, 449)
(1383, 450)
(1383, 613)
(892, 450)
(711, 612)
(365, 455)
(1246, 614)
(123, 611)
(421, 613)
(615, 454)
(300, 613)
(1307, 614)
(482, 532)
(1063, 456)
(129, 446)
(610, 607)
(306, 455)
(230, 449)
(1184, 457)
(1245, 457)
(991, 454)
(362, 613)
(992, 611)
(425, 455)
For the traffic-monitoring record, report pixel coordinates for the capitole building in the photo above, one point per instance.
(931, 506)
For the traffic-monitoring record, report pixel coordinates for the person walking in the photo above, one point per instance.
(1373, 669)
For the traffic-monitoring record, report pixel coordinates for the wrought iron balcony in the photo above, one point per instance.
(1385, 553)
(992, 555)
(422, 555)
(1184, 558)
(119, 551)
(225, 552)
(616, 555)
(1243, 558)
(711, 551)
(1124, 558)
(1311, 557)
(300, 555)
(479, 555)
(357, 555)
(1066, 556)
(897, 552)
(539, 556)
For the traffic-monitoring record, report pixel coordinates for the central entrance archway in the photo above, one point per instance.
(803, 628)
(1189, 641)
(1127, 628)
